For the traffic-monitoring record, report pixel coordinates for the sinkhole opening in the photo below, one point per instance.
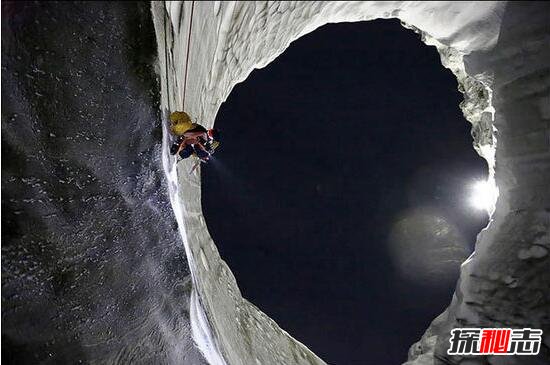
(340, 195)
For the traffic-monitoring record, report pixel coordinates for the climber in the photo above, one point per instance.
(192, 138)
(198, 141)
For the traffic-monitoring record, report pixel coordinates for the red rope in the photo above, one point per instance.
(187, 57)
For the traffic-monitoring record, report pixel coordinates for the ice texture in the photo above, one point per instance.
(93, 269)
(499, 53)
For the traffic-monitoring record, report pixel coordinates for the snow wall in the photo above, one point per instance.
(499, 52)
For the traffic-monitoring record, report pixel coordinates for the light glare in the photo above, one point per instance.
(484, 195)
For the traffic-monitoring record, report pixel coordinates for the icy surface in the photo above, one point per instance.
(499, 53)
(93, 270)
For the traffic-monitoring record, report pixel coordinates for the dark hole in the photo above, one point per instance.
(324, 151)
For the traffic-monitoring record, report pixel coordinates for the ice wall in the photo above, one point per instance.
(499, 54)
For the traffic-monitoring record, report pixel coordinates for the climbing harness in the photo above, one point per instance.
(200, 160)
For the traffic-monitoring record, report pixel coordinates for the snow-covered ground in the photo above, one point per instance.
(499, 53)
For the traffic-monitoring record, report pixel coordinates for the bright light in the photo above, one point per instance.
(484, 195)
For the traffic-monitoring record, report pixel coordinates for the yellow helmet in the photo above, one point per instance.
(180, 122)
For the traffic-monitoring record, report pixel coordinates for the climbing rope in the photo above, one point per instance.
(187, 57)
(166, 57)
